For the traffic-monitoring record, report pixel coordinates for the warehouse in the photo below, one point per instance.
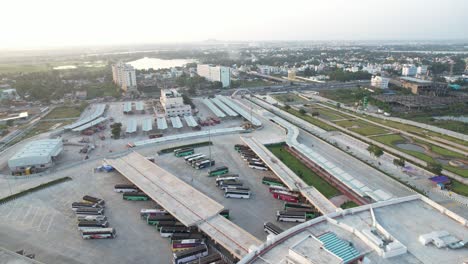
(35, 156)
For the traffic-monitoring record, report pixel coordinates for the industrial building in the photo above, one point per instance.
(36, 156)
(173, 103)
(215, 73)
(411, 229)
(124, 75)
(423, 87)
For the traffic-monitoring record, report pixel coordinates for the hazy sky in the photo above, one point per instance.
(34, 23)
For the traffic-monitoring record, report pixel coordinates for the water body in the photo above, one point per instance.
(463, 119)
(147, 63)
(412, 147)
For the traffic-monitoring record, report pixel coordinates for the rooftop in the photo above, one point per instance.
(416, 80)
(36, 152)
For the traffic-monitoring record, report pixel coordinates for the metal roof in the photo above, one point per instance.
(342, 249)
(98, 111)
(203, 133)
(176, 122)
(416, 80)
(161, 122)
(127, 107)
(224, 107)
(139, 106)
(240, 110)
(90, 124)
(147, 124)
(190, 121)
(36, 152)
(131, 126)
(213, 108)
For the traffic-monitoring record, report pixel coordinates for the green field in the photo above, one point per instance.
(348, 204)
(327, 113)
(302, 171)
(459, 188)
(310, 119)
(289, 98)
(391, 140)
(64, 112)
(363, 128)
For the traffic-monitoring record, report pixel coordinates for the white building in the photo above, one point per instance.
(422, 70)
(408, 70)
(215, 73)
(8, 94)
(173, 103)
(124, 75)
(37, 155)
(380, 82)
(292, 74)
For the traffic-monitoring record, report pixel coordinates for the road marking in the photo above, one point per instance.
(40, 223)
(50, 223)
(26, 215)
(34, 216)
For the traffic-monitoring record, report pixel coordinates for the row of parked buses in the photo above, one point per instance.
(232, 186)
(250, 157)
(187, 244)
(92, 223)
(199, 161)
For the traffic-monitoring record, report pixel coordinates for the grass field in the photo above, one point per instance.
(459, 188)
(310, 119)
(391, 140)
(289, 98)
(64, 112)
(362, 128)
(348, 204)
(327, 114)
(302, 171)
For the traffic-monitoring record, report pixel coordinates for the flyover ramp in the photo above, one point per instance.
(187, 204)
(292, 181)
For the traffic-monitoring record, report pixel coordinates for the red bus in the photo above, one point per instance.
(285, 196)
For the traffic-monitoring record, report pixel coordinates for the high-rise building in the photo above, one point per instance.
(124, 75)
(215, 73)
(408, 70)
(422, 70)
(379, 82)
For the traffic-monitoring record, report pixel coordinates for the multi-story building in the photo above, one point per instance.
(124, 75)
(423, 87)
(408, 70)
(422, 70)
(292, 74)
(379, 82)
(173, 103)
(215, 73)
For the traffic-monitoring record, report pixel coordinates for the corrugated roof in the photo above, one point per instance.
(176, 122)
(224, 107)
(131, 126)
(36, 152)
(213, 108)
(139, 106)
(127, 107)
(341, 248)
(190, 121)
(240, 110)
(147, 124)
(161, 122)
(99, 111)
(90, 124)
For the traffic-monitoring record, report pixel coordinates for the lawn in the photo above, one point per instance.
(459, 188)
(327, 114)
(363, 128)
(289, 98)
(302, 171)
(348, 204)
(310, 119)
(64, 112)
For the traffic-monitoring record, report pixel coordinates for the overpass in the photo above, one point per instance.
(290, 179)
(185, 203)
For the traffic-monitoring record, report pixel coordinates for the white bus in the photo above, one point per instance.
(257, 166)
(271, 228)
(95, 218)
(237, 194)
(284, 216)
(77, 205)
(226, 177)
(196, 159)
(204, 164)
(89, 211)
(92, 224)
(189, 157)
(194, 253)
(228, 181)
(98, 233)
(144, 213)
(168, 231)
(125, 188)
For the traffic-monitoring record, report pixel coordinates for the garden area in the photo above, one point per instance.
(310, 119)
(362, 127)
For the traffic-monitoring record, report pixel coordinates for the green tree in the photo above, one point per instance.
(434, 167)
(399, 162)
(116, 129)
(10, 123)
(217, 85)
(302, 111)
(287, 107)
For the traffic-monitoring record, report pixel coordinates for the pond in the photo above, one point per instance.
(411, 147)
(147, 63)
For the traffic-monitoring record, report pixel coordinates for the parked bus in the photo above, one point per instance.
(98, 233)
(254, 160)
(272, 181)
(204, 164)
(92, 224)
(226, 177)
(91, 211)
(95, 218)
(184, 244)
(310, 213)
(284, 216)
(124, 188)
(180, 236)
(237, 194)
(189, 158)
(224, 182)
(231, 186)
(155, 219)
(273, 188)
(162, 224)
(167, 231)
(77, 205)
(197, 159)
(271, 228)
(144, 213)
(239, 146)
(184, 152)
(225, 213)
(286, 196)
(184, 256)
(214, 258)
(91, 199)
(235, 188)
(138, 196)
(218, 171)
(258, 166)
(287, 206)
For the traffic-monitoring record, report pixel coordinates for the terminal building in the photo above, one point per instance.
(215, 73)
(36, 156)
(173, 103)
(124, 75)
